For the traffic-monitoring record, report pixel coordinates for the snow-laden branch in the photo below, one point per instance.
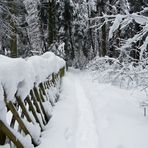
(120, 22)
(118, 19)
(143, 48)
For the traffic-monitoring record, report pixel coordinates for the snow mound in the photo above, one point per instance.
(18, 76)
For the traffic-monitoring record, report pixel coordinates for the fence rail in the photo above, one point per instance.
(29, 111)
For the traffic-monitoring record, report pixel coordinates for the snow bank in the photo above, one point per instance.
(18, 76)
(119, 120)
(124, 75)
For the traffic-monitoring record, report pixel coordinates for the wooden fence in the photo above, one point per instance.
(20, 110)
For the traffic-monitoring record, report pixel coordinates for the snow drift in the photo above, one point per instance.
(18, 76)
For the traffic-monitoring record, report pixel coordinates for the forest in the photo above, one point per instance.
(103, 35)
(77, 30)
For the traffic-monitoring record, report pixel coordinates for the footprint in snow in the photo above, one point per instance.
(68, 134)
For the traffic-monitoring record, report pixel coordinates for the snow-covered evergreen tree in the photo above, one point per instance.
(33, 28)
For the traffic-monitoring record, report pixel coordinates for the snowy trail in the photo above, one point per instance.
(72, 124)
(86, 136)
(93, 115)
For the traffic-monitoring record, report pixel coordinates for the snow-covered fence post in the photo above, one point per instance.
(33, 110)
(42, 88)
(38, 109)
(36, 92)
(22, 105)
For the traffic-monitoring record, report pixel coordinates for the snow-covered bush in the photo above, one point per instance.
(125, 75)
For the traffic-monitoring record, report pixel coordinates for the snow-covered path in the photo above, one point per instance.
(73, 124)
(93, 115)
(86, 135)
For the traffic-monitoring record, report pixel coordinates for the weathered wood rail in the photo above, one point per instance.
(31, 110)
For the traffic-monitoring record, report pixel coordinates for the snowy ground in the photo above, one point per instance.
(93, 115)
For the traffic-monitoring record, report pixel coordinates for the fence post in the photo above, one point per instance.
(41, 104)
(24, 109)
(2, 136)
(62, 72)
(33, 97)
(10, 135)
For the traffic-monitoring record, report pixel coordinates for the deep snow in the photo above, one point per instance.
(94, 115)
(17, 77)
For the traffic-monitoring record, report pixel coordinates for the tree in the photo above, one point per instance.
(51, 22)
(34, 28)
(68, 18)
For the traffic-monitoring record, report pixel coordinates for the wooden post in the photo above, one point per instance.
(10, 135)
(37, 106)
(2, 137)
(48, 84)
(24, 109)
(62, 72)
(12, 123)
(42, 88)
(41, 104)
(53, 79)
(42, 95)
(31, 106)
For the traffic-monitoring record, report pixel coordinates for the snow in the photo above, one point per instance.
(52, 93)
(116, 24)
(122, 21)
(48, 108)
(25, 140)
(143, 47)
(34, 130)
(33, 28)
(86, 122)
(3, 109)
(120, 121)
(142, 20)
(91, 115)
(72, 122)
(19, 75)
(60, 131)
(88, 114)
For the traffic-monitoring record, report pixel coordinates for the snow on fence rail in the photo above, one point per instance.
(28, 90)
